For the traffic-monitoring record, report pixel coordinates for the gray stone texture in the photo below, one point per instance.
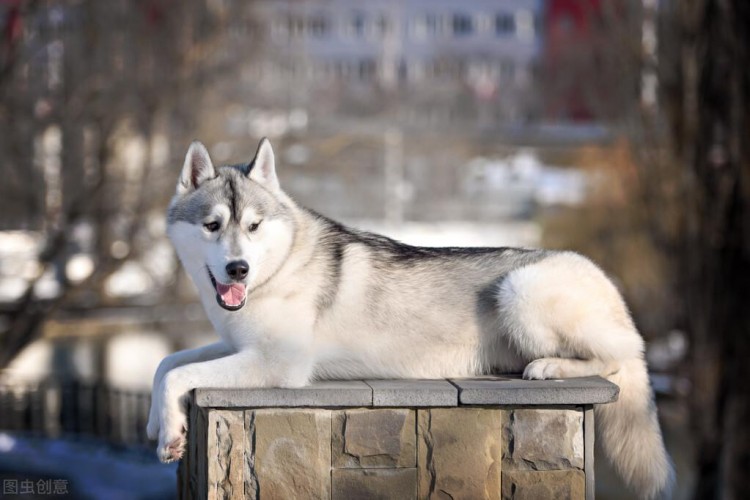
(374, 438)
(413, 393)
(319, 394)
(459, 453)
(498, 390)
(547, 439)
(292, 454)
(543, 485)
(489, 390)
(374, 484)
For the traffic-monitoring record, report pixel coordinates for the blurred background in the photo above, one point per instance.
(618, 128)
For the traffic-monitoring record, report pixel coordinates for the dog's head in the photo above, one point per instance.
(232, 226)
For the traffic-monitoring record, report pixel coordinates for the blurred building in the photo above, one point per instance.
(364, 52)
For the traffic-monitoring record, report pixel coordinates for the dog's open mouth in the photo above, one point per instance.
(231, 297)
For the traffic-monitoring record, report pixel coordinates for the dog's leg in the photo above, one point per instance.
(242, 369)
(180, 358)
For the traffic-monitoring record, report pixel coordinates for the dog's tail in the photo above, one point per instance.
(630, 435)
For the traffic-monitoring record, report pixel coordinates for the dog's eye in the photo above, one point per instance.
(254, 226)
(212, 227)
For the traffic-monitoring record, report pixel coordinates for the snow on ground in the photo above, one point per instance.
(94, 470)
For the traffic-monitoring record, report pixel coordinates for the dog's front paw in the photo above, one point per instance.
(544, 368)
(172, 436)
(171, 448)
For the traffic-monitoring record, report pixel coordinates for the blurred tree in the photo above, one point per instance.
(90, 94)
(707, 97)
(674, 214)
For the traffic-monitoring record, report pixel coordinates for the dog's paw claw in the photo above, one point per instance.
(172, 446)
(173, 450)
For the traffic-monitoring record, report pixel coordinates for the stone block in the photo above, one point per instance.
(291, 456)
(459, 453)
(226, 451)
(413, 393)
(537, 485)
(374, 438)
(374, 484)
(547, 439)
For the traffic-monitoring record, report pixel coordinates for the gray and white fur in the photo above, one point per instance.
(297, 297)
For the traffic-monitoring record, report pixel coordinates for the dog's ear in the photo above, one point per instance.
(197, 168)
(263, 167)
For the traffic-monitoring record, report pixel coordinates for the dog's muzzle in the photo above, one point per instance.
(231, 297)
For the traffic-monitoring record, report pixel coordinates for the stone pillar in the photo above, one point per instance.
(395, 439)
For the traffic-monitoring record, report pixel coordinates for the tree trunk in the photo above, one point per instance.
(710, 115)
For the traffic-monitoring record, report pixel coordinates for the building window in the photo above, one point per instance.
(319, 26)
(434, 24)
(296, 26)
(462, 25)
(358, 25)
(505, 24)
(384, 25)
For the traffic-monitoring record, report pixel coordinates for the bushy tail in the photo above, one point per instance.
(630, 435)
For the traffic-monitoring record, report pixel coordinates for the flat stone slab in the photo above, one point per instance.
(413, 393)
(508, 390)
(373, 438)
(334, 393)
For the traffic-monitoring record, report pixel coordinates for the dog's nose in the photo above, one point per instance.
(238, 269)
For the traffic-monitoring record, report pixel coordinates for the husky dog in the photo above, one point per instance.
(297, 297)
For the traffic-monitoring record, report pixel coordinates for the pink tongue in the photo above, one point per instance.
(233, 294)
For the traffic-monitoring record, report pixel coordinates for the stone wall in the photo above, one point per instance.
(255, 450)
